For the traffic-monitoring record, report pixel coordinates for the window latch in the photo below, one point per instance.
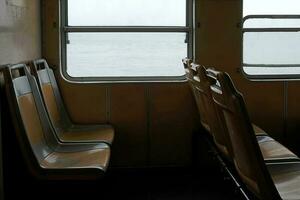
(186, 39)
(67, 38)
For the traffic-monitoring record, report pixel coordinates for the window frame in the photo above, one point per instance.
(272, 77)
(65, 29)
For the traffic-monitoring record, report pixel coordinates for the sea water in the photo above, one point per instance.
(160, 54)
(125, 54)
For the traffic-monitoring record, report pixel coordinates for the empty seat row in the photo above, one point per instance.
(65, 129)
(201, 91)
(200, 81)
(53, 147)
(266, 167)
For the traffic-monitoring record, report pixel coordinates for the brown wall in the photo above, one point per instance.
(154, 122)
(293, 115)
(20, 30)
(20, 38)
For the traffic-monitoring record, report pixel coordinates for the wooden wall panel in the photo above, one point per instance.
(173, 120)
(293, 116)
(129, 117)
(265, 103)
(85, 103)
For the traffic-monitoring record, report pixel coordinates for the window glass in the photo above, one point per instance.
(271, 7)
(272, 48)
(125, 38)
(272, 23)
(125, 54)
(265, 71)
(271, 52)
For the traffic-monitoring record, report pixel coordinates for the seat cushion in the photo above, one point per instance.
(258, 131)
(206, 126)
(273, 151)
(88, 133)
(286, 178)
(97, 159)
(66, 131)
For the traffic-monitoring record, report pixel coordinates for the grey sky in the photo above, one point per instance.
(271, 7)
(127, 12)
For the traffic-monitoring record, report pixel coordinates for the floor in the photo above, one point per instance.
(133, 185)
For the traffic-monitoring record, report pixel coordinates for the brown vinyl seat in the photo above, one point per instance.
(202, 85)
(45, 155)
(269, 182)
(66, 130)
(204, 90)
(191, 71)
(272, 150)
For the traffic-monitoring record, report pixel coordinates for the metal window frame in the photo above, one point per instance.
(65, 29)
(271, 77)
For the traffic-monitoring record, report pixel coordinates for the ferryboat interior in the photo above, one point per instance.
(150, 99)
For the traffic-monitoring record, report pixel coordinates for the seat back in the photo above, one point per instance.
(51, 94)
(34, 132)
(247, 156)
(191, 72)
(202, 84)
(187, 67)
(187, 62)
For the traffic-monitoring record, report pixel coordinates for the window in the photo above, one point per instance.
(125, 39)
(271, 39)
